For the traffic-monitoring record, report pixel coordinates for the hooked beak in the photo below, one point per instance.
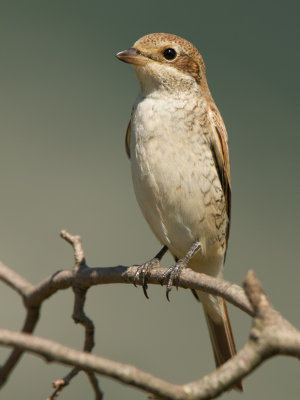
(132, 56)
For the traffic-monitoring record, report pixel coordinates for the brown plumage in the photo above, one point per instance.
(177, 142)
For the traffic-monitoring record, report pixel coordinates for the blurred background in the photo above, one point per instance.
(64, 107)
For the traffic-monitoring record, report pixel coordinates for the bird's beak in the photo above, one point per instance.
(132, 56)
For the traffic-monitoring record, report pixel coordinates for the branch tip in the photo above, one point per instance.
(72, 239)
(76, 243)
(256, 294)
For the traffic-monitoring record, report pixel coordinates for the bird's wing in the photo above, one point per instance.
(127, 139)
(219, 147)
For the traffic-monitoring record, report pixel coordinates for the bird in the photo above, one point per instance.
(178, 147)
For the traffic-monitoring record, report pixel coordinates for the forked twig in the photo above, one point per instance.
(270, 335)
(79, 317)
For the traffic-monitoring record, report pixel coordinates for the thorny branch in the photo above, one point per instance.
(270, 335)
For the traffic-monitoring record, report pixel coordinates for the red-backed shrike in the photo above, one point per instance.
(177, 144)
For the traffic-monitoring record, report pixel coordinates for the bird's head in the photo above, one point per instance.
(166, 62)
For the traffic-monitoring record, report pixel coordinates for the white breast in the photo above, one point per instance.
(174, 176)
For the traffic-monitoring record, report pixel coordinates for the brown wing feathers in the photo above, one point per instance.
(127, 139)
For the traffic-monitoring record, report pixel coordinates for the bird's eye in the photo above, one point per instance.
(169, 54)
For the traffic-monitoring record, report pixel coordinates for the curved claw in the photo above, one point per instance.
(144, 270)
(168, 290)
(145, 288)
(173, 274)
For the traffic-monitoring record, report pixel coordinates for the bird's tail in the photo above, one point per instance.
(219, 330)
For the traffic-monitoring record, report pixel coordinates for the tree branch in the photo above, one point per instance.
(14, 280)
(53, 351)
(79, 317)
(84, 277)
(32, 317)
(270, 335)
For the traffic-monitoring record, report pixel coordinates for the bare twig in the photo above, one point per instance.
(87, 277)
(30, 322)
(79, 317)
(33, 296)
(271, 333)
(59, 384)
(95, 385)
(75, 242)
(125, 373)
(14, 280)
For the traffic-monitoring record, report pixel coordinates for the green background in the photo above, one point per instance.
(65, 104)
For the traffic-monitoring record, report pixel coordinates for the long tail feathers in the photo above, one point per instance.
(221, 337)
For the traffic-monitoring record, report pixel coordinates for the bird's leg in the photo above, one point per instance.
(145, 269)
(173, 273)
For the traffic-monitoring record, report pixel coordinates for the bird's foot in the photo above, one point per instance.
(173, 273)
(145, 269)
